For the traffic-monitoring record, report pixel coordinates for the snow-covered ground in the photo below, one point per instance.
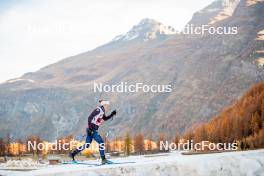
(249, 163)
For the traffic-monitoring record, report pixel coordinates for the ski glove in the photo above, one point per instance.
(113, 113)
(89, 131)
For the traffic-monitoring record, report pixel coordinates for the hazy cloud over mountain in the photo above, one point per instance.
(36, 33)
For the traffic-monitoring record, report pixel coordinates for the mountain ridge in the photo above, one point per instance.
(207, 72)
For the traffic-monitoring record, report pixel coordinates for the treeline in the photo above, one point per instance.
(5, 149)
(128, 144)
(138, 145)
(10, 147)
(242, 122)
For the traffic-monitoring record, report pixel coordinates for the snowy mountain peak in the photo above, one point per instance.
(147, 29)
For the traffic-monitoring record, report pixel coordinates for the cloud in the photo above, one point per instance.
(36, 33)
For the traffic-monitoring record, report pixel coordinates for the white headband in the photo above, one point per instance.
(104, 102)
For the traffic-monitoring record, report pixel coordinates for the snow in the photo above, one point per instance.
(118, 37)
(147, 29)
(18, 80)
(230, 163)
(131, 37)
(26, 164)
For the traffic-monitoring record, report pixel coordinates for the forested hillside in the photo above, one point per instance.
(243, 122)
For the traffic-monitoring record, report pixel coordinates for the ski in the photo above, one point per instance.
(79, 162)
(94, 164)
(113, 163)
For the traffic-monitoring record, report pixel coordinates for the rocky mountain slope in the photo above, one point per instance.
(217, 11)
(207, 72)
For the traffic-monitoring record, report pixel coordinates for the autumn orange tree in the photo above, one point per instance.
(7, 143)
(2, 147)
(139, 147)
(243, 121)
(127, 144)
(149, 143)
(20, 150)
(161, 138)
(37, 140)
(176, 138)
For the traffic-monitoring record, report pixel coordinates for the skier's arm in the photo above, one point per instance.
(113, 113)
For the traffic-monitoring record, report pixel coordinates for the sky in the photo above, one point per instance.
(36, 33)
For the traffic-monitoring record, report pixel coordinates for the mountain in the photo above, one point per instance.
(217, 11)
(207, 73)
(147, 29)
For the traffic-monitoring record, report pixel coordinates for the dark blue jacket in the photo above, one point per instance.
(97, 117)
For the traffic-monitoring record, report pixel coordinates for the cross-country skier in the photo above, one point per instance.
(94, 121)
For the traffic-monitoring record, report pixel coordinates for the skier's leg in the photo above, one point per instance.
(100, 141)
(89, 138)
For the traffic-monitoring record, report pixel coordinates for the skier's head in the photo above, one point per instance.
(105, 104)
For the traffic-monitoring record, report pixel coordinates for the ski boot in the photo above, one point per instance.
(105, 161)
(71, 155)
